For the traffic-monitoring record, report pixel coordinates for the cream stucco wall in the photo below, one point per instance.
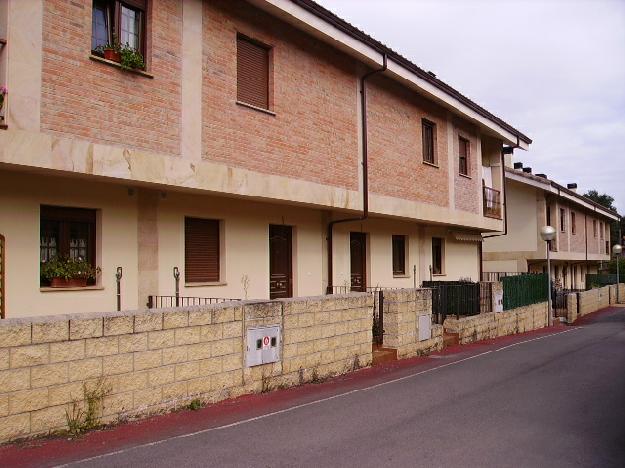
(21, 196)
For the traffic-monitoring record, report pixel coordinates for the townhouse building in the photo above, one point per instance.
(232, 157)
(582, 241)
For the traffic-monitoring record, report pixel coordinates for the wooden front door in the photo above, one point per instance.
(280, 261)
(358, 260)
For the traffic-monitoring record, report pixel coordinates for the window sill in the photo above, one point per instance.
(208, 283)
(259, 109)
(86, 288)
(431, 164)
(465, 176)
(439, 274)
(401, 276)
(95, 58)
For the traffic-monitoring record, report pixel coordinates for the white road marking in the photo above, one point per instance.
(304, 405)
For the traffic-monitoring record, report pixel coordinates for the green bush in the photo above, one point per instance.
(68, 268)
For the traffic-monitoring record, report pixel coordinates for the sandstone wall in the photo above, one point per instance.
(402, 309)
(162, 359)
(491, 325)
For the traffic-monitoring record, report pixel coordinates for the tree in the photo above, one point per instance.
(616, 230)
(603, 199)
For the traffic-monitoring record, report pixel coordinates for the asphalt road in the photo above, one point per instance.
(558, 400)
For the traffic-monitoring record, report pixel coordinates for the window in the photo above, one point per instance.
(573, 224)
(252, 73)
(594, 228)
(428, 135)
(562, 220)
(607, 247)
(399, 255)
(67, 232)
(463, 152)
(201, 250)
(118, 20)
(548, 215)
(601, 230)
(437, 255)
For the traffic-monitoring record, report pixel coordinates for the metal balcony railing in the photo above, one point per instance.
(492, 202)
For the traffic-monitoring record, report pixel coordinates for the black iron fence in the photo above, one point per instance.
(558, 298)
(161, 302)
(498, 275)
(454, 298)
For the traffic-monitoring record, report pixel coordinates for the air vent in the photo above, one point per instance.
(527, 170)
(571, 186)
(518, 165)
(543, 176)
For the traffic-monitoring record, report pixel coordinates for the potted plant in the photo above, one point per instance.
(111, 50)
(130, 58)
(63, 272)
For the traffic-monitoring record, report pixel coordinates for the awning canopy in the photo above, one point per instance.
(467, 237)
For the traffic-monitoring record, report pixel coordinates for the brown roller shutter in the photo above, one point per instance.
(201, 250)
(252, 73)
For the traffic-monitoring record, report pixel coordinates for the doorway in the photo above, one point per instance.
(280, 261)
(358, 261)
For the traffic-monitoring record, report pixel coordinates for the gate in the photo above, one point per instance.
(454, 298)
(3, 294)
(558, 298)
(378, 317)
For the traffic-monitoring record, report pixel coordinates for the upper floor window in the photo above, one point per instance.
(118, 22)
(252, 73)
(601, 230)
(594, 228)
(201, 250)
(463, 155)
(573, 223)
(562, 220)
(428, 134)
(548, 215)
(399, 255)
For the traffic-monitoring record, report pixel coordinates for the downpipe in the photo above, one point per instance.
(365, 171)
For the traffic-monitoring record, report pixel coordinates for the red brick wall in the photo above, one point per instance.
(395, 145)
(466, 196)
(101, 103)
(578, 240)
(593, 242)
(314, 134)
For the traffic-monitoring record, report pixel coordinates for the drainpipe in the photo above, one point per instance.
(365, 170)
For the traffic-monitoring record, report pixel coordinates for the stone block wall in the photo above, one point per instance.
(597, 299)
(402, 309)
(492, 325)
(571, 308)
(161, 359)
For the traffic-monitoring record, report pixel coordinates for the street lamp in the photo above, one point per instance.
(616, 250)
(548, 233)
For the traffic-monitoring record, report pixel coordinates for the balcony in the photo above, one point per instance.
(492, 202)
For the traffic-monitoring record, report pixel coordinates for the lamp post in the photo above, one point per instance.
(616, 250)
(548, 233)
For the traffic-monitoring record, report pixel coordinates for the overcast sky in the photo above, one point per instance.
(553, 69)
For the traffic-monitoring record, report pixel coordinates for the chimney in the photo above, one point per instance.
(542, 176)
(518, 165)
(527, 170)
(572, 187)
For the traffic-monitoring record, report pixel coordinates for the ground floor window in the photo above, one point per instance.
(399, 255)
(438, 255)
(201, 250)
(67, 233)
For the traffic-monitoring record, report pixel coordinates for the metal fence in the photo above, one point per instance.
(454, 298)
(497, 275)
(523, 290)
(160, 302)
(599, 281)
(558, 297)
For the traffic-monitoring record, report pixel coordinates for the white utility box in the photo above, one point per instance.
(263, 345)
(425, 327)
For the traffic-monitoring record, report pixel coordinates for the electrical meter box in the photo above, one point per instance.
(425, 327)
(263, 345)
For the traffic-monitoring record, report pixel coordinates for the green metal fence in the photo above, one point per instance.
(599, 281)
(523, 290)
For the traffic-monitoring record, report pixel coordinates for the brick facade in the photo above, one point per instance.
(466, 192)
(314, 132)
(396, 165)
(101, 103)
